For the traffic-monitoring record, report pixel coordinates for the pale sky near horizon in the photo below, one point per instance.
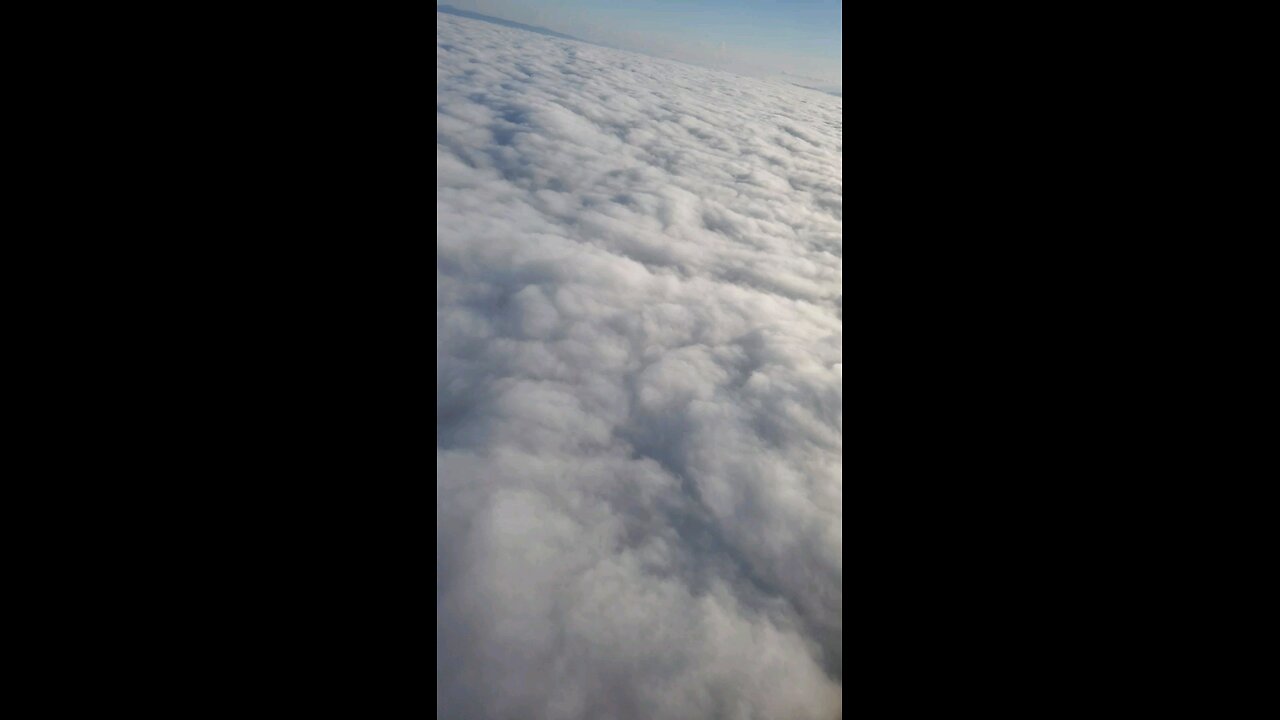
(756, 37)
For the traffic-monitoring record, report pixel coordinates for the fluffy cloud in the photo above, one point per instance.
(639, 386)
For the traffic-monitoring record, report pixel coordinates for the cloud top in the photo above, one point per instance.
(639, 386)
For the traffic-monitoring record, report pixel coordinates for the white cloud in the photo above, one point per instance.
(639, 381)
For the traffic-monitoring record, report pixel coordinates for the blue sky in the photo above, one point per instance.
(757, 37)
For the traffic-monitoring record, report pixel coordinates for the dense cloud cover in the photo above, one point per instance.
(639, 413)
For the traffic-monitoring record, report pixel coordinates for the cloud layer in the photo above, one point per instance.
(639, 386)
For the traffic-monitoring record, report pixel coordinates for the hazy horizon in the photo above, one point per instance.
(799, 42)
